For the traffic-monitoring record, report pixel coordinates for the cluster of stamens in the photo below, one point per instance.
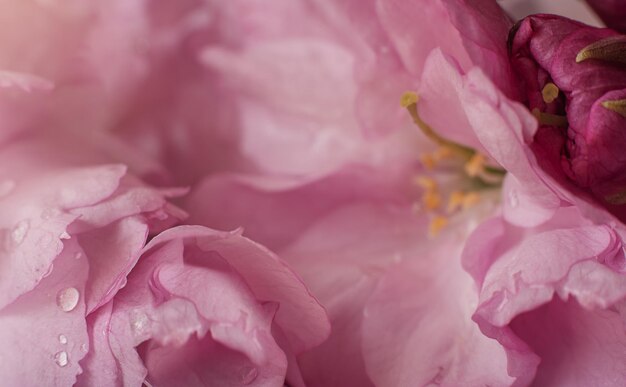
(448, 158)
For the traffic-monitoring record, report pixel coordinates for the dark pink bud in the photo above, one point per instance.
(575, 83)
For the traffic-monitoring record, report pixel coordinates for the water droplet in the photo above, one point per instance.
(513, 199)
(249, 374)
(62, 339)
(83, 347)
(139, 323)
(61, 358)
(6, 187)
(78, 255)
(67, 299)
(19, 231)
(65, 235)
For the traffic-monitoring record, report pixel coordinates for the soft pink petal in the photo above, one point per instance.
(408, 24)
(341, 257)
(418, 328)
(300, 317)
(99, 365)
(504, 128)
(440, 105)
(529, 276)
(514, 284)
(45, 330)
(578, 347)
(112, 252)
(34, 222)
(292, 204)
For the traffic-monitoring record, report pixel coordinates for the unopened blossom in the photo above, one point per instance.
(551, 287)
(575, 82)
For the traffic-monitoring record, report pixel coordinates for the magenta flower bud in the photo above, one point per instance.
(574, 77)
(612, 12)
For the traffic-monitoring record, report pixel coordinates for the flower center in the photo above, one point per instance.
(455, 176)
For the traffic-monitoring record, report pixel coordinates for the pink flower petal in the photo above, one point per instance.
(45, 328)
(418, 328)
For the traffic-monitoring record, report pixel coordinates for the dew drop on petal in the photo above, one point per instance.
(513, 199)
(67, 299)
(65, 235)
(62, 339)
(19, 231)
(249, 374)
(139, 323)
(78, 255)
(6, 187)
(61, 358)
(83, 347)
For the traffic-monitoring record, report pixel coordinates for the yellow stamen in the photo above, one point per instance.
(549, 119)
(428, 161)
(428, 183)
(612, 49)
(455, 201)
(409, 101)
(443, 152)
(470, 200)
(475, 166)
(618, 106)
(431, 200)
(550, 92)
(409, 98)
(437, 224)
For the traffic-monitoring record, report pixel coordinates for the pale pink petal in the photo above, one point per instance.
(505, 128)
(112, 251)
(45, 328)
(300, 317)
(415, 29)
(529, 276)
(578, 347)
(514, 284)
(99, 365)
(166, 314)
(25, 82)
(34, 221)
(341, 257)
(292, 204)
(418, 326)
(440, 90)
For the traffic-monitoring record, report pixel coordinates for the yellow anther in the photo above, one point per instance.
(550, 92)
(437, 224)
(428, 183)
(443, 152)
(470, 200)
(431, 200)
(455, 201)
(618, 106)
(428, 161)
(612, 49)
(409, 98)
(549, 119)
(476, 165)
